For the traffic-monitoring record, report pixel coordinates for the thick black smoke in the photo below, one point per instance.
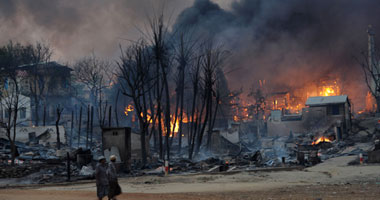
(290, 43)
(286, 42)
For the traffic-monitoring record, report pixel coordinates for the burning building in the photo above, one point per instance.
(320, 114)
(336, 111)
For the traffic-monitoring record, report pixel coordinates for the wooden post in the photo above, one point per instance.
(80, 124)
(72, 128)
(109, 116)
(87, 125)
(68, 166)
(117, 117)
(76, 113)
(91, 125)
(44, 118)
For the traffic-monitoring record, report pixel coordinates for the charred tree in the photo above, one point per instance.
(72, 129)
(38, 87)
(184, 55)
(79, 125)
(163, 60)
(371, 68)
(195, 77)
(87, 125)
(116, 113)
(134, 65)
(110, 116)
(91, 126)
(11, 56)
(96, 75)
(44, 117)
(210, 60)
(59, 111)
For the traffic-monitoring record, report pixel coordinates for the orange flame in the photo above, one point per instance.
(175, 126)
(236, 118)
(128, 109)
(321, 139)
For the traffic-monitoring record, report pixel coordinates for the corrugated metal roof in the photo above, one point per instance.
(315, 101)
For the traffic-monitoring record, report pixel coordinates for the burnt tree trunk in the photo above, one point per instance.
(193, 125)
(91, 125)
(175, 119)
(72, 128)
(44, 116)
(180, 124)
(79, 125)
(202, 125)
(15, 105)
(160, 140)
(109, 116)
(116, 115)
(36, 109)
(378, 104)
(87, 125)
(167, 114)
(59, 112)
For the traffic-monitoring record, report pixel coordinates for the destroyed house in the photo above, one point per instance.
(335, 109)
(24, 117)
(46, 84)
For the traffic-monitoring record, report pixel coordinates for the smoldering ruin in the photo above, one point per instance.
(255, 86)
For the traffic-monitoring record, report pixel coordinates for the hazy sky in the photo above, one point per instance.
(76, 28)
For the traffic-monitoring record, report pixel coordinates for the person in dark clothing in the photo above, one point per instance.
(102, 184)
(114, 187)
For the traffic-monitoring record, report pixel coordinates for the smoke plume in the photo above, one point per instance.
(286, 42)
(290, 43)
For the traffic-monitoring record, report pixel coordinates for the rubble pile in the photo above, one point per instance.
(228, 153)
(37, 163)
(18, 171)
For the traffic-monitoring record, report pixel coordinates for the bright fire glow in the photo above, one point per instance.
(370, 103)
(175, 126)
(236, 118)
(329, 91)
(128, 109)
(321, 139)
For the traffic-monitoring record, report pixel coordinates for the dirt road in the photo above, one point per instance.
(313, 192)
(333, 179)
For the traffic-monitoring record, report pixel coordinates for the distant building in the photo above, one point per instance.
(46, 84)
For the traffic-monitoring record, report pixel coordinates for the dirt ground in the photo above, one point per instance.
(312, 192)
(333, 179)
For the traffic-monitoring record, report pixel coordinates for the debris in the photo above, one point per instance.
(213, 169)
(86, 171)
(374, 156)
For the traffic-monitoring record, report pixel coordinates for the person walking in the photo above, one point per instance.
(102, 183)
(114, 187)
